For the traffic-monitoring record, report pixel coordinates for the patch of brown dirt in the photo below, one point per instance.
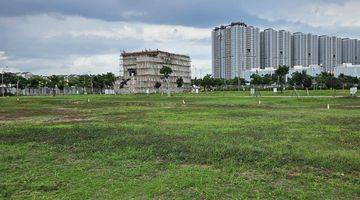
(57, 114)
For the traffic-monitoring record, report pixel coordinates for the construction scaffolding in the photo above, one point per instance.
(142, 69)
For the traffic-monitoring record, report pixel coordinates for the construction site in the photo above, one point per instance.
(141, 71)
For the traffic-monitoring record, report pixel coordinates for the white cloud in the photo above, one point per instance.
(3, 56)
(132, 13)
(96, 64)
(125, 30)
(96, 44)
(200, 67)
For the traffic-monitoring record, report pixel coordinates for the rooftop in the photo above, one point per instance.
(150, 53)
(231, 24)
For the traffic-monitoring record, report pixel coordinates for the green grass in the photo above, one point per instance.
(221, 145)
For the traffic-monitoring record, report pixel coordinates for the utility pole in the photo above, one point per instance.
(2, 81)
(238, 79)
(17, 87)
(92, 84)
(84, 85)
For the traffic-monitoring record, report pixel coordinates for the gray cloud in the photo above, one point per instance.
(183, 12)
(70, 36)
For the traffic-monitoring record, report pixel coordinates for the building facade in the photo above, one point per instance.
(142, 70)
(299, 49)
(349, 50)
(236, 47)
(357, 55)
(284, 48)
(275, 48)
(269, 48)
(337, 51)
(325, 52)
(312, 50)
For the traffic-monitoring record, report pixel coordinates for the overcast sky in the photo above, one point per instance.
(87, 36)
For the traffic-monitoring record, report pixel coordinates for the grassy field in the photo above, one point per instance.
(221, 145)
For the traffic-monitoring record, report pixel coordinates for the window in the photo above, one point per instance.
(132, 72)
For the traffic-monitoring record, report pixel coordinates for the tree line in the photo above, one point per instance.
(99, 81)
(299, 80)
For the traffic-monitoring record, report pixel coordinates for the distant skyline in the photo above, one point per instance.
(87, 36)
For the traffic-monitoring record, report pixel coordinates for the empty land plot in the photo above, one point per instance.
(219, 145)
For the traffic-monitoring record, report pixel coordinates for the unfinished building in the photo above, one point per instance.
(141, 70)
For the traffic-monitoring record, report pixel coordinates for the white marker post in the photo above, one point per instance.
(328, 106)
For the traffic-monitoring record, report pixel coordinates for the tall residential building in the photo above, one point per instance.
(284, 48)
(275, 48)
(357, 54)
(236, 47)
(252, 48)
(299, 49)
(269, 48)
(337, 51)
(312, 50)
(349, 50)
(354, 51)
(325, 52)
(216, 53)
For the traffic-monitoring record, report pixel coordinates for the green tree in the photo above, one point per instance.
(180, 82)
(307, 81)
(9, 78)
(54, 81)
(207, 82)
(256, 79)
(37, 82)
(109, 80)
(84, 81)
(166, 71)
(322, 78)
(21, 82)
(347, 81)
(281, 73)
(196, 81)
(296, 79)
(219, 82)
(267, 79)
(332, 82)
(74, 81)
